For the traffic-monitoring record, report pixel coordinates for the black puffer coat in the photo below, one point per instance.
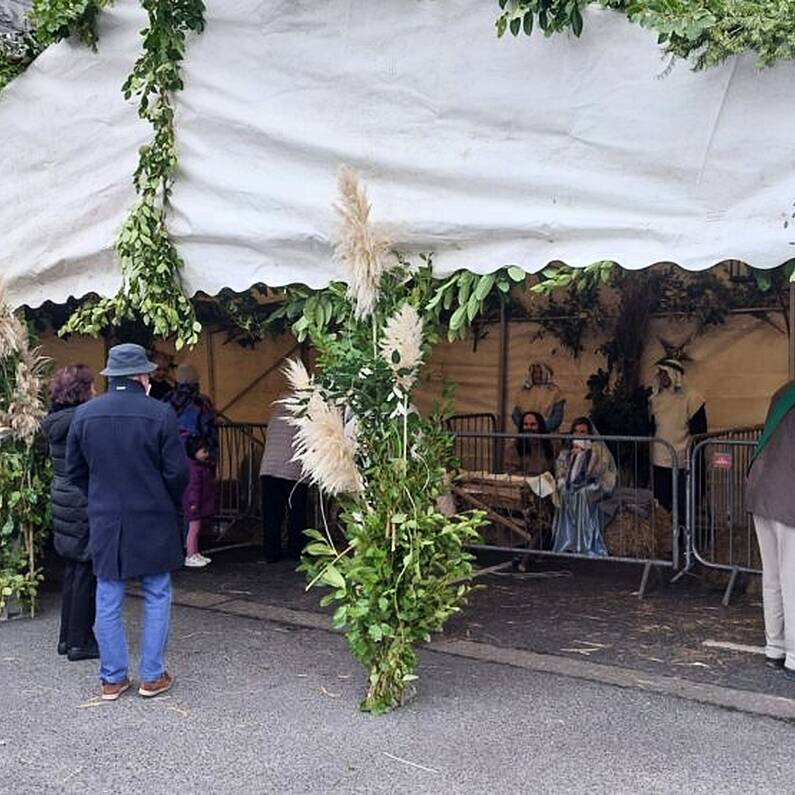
(69, 519)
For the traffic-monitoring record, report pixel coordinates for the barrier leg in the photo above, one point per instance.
(644, 580)
(688, 570)
(727, 596)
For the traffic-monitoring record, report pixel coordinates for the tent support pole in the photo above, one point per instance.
(502, 377)
(211, 365)
(791, 330)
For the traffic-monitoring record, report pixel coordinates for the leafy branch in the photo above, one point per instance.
(448, 306)
(558, 276)
(49, 21)
(151, 266)
(705, 32)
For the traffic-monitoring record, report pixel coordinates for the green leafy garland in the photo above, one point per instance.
(705, 32)
(50, 21)
(151, 265)
(24, 466)
(449, 305)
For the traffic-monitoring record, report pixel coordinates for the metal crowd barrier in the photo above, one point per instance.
(717, 530)
(721, 535)
(479, 448)
(239, 511)
(635, 528)
(237, 474)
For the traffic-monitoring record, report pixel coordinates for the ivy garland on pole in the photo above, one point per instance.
(151, 266)
(49, 21)
(705, 32)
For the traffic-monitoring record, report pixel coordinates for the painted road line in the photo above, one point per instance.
(729, 646)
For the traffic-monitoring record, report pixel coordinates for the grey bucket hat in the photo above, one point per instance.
(127, 359)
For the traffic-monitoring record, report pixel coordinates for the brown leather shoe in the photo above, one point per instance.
(152, 689)
(112, 690)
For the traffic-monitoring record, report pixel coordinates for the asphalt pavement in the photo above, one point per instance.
(263, 707)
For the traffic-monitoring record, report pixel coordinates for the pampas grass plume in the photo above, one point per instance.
(26, 409)
(13, 337)
(361, 251)
(297, 376)
(401, 345)
(326, 454)
(25, 404)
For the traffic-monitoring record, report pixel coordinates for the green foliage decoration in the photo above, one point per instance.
(24, 466)
(449, 305)
(54, 20)
(24, 520)
(704, 32)
(151, 265)
(402, 569)
(17, 51)
(49, 21)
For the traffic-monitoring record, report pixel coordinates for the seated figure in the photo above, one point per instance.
(530, 456)
(586, 474)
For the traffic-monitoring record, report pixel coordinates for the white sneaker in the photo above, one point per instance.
(204, 557)
(195, 562)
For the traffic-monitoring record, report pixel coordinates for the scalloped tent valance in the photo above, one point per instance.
(485, 152)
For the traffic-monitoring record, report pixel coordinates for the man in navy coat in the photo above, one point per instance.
(124, 452)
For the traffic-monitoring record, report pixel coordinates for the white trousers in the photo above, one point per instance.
(777, 545)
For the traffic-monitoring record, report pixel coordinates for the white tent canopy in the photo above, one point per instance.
(483, 151)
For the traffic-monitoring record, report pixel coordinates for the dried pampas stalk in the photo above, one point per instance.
(326, 454)
(358, 247)
(297, 376)
(401, 345)
(26, 408)
(25, 405)
(13, 337)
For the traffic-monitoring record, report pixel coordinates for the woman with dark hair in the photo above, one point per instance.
(586, 474)
(69, 387)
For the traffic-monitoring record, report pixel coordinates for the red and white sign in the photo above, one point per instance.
(722, 461)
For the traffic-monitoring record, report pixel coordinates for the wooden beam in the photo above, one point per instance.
(260, 377)
(492, 515)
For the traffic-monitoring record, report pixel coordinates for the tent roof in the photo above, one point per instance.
(485, 152)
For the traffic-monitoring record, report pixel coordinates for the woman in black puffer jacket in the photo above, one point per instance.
(71, 386)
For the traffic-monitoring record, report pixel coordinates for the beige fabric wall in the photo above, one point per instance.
(736, 367)
(235, 368)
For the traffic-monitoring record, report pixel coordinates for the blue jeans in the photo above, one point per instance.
(109, 628)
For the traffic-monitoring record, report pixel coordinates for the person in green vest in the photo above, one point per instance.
(769, 497)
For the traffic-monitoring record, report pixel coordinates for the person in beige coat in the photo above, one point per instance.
(770, 499)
